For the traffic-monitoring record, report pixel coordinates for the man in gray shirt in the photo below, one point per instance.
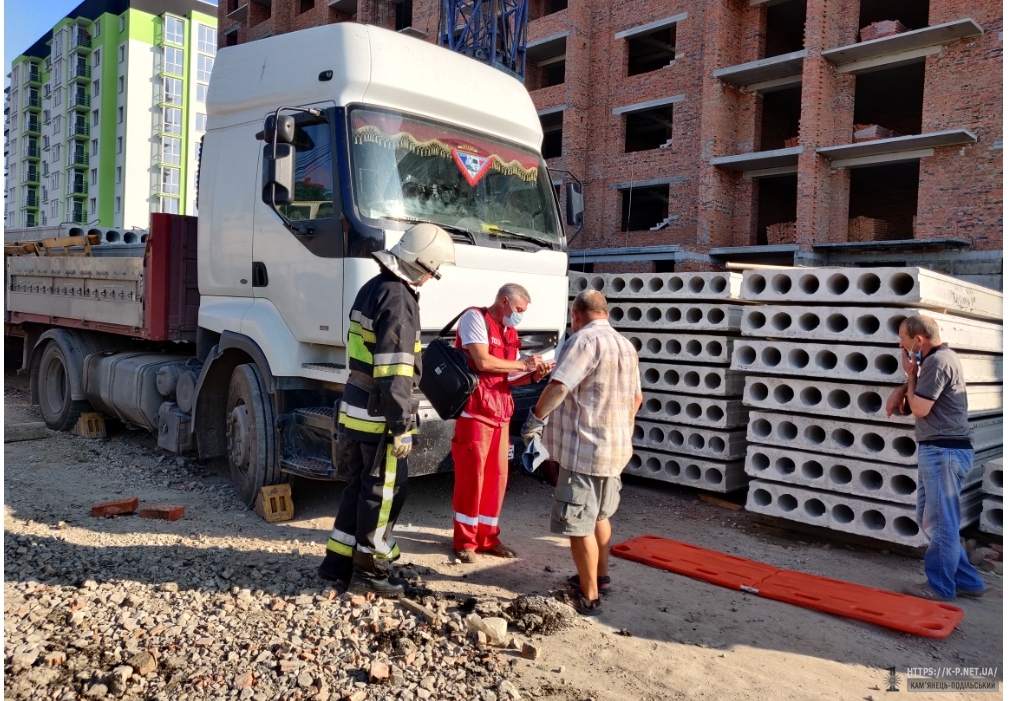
(936, 395)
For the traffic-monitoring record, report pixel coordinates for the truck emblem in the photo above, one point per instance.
(472, 166)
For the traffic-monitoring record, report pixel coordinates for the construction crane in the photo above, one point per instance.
(491, 31)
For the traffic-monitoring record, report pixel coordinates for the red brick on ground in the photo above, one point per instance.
(117, 507)
(165, 512)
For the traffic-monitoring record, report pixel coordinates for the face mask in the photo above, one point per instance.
(513, 319)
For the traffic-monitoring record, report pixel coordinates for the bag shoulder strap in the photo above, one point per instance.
(456, 318)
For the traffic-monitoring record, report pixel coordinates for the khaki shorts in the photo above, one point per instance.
(581, 500)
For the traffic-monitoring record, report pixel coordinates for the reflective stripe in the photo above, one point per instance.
(488, 520)
(339, 548)
(391, 555)
(388, 491)
(391, 370)
(416, 347)
(468, 520)
(393, 358)
(356, 350)
(350, 422)
(341, 537)
(366, 334)
(365, 322)
(359, 412)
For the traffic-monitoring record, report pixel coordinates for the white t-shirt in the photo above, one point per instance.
(473, 328)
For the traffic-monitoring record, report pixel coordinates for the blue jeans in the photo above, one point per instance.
(940, 474)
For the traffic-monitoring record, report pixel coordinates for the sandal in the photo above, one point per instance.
(500, 550)
(603, 583)
(466, 556)
(587, 608)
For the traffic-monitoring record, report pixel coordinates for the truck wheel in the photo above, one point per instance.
(59, 409)
(249, 427)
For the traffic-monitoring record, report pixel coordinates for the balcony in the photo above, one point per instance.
(34, 101)
(34, 125)
(80, 41)
(81, 71)
(32, 152)
(31, 199)
(78, 159)
(79, 130)
(765, 74)
(33, 76)
(31, 176)
(898, 49)
(78, 187)
(894, 149)
(79, 214)
(81, 100)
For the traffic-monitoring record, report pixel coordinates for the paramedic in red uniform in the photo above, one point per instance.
(480, 444)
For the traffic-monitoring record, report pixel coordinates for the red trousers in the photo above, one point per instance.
(480, 454)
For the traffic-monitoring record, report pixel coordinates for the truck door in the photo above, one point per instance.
(298, 270)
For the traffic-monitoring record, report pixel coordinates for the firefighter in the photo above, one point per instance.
(374, 425)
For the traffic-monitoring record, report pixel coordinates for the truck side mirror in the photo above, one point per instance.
(280, 128)
(574, 206)
(278, 174)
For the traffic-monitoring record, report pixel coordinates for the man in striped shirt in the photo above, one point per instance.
(591, 402)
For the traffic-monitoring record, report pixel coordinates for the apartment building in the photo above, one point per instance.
(773, 130)
(105, 112)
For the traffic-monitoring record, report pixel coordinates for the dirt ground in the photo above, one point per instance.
(661, 636)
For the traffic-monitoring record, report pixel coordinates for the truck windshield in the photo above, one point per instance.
(412, 169)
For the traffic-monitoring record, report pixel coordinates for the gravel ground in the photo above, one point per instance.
(223, 605)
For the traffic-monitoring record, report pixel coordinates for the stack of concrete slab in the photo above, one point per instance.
(991, 503)
(820, 358)
(691, 429)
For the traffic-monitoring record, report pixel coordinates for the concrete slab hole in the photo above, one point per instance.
(618, 284)
(636, 284)
(993, 517)
(825, 360)
(837, 323)
(696, 284)
(869, 283)
(905, 446)
(787, 502)
(655, 284)
(761, 497)
(873, 520)
(756, 320)
(756, 283)
(811, 469)
(871, 479)
(746, 354)
(886, 364)
(715, 315)
(718, 284)
(902, 484)
(867, 324)
(694, 315)
(838, 284)
(673, 314)
(843, 437)
(873, 442)
(787, 430)
(902, 284)
(694, 347)
(856, 362)
(784, 466)
(693, 472)
(781, 321)
(838, 399)
(814, 508)
(783, 394)
(781, 283)
(905, 526)
(870, 402)
(760, 461)
(814, 434)
(714, 348)
(839, 474)
(809, 283)
(809, 322)
(713, 476)
(770, 356)
(798, 358)
(842, 513)
(810, 396)
(761, 428)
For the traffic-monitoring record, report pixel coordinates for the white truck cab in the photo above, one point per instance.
(322, 147)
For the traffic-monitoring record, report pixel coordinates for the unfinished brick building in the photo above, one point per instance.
(775, 130)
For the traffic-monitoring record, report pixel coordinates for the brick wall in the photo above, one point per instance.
(959, 187)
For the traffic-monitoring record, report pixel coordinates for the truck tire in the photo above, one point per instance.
(59, 410)
(249, 431)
